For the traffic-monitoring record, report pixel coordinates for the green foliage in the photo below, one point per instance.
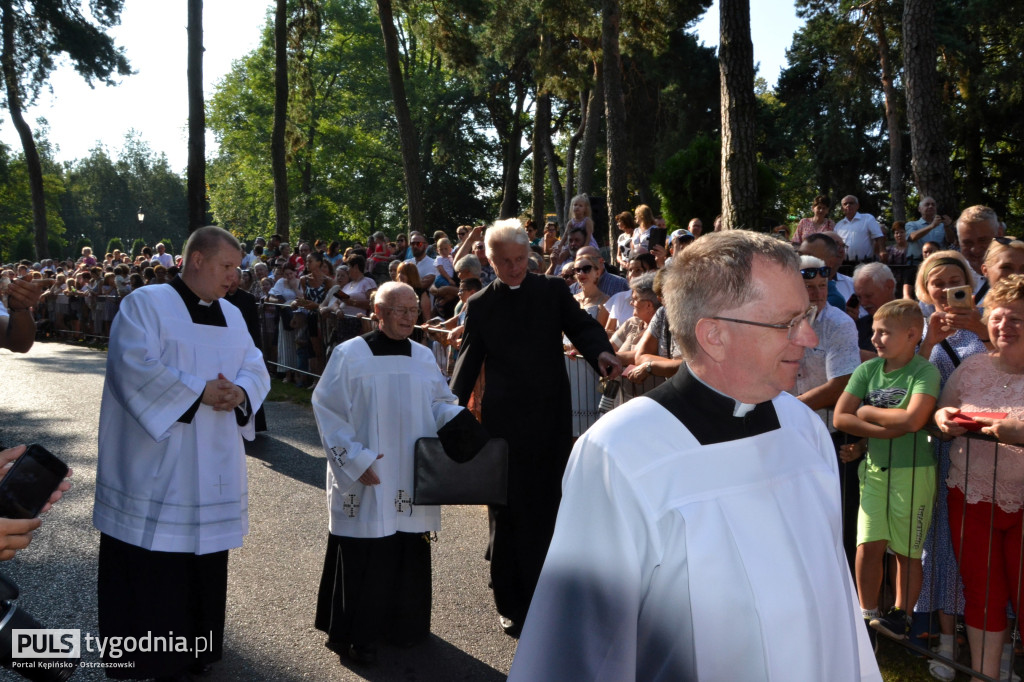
(104, 196)
(115, 244)
(168, 244)
(137, 247)
(345, 169)
(830, 135)
(689, 183)
(16, 202)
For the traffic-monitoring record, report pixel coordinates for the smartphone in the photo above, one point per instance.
(960, 297)
(341, 295)
(656, 237)
(29, 483)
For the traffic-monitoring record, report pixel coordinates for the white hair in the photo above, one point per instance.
(811, 262)
(879, 273)
(389, 290)
(505, 232)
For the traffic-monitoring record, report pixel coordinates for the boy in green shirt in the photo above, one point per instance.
(888, 400)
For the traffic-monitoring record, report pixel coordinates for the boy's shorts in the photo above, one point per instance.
(896, 505)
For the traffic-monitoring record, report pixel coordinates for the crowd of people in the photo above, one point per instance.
(916, 327)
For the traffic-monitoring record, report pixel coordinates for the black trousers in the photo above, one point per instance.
(161, 594)
(375, 589)
(849, 484)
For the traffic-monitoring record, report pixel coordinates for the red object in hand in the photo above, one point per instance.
(966, 419)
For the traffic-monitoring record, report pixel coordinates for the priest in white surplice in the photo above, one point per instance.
(183, 381)
(379, 393)
(699, 535)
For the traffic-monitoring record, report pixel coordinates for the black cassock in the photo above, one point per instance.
(246, 304)
(527, 401)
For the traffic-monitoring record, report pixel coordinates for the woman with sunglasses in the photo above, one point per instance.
(951, 336)
(590, 297)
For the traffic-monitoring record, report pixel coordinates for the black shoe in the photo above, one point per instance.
(339, 648)
(894, 624)
(363, 653)
(511, 627)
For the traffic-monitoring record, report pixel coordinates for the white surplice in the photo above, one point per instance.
(366, 405)
(672, 560)
(162, 484)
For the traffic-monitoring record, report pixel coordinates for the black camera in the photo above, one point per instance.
(41, 669)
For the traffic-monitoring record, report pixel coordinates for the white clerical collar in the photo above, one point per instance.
(205, 303)
(739, 410)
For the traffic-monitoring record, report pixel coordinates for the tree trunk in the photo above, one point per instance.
(930, 154)
(558, 199)
(196, 186)
(541, 130)
(974, 175)
(278, 158)
(564, 210)
(407, 134)
(28, 144)
(897, 187)
(739, 160)
(616, 190)
(591, 136)
(513, 158)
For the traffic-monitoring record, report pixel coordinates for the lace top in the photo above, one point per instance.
(985, 471)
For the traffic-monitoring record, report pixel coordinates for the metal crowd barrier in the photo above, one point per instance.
(94, 313)
(923, 649)
(585, 389)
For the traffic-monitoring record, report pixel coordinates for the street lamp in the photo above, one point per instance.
(142, 216)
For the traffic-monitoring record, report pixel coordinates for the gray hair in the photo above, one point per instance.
(505, 232)
(389, 290)
(879, 273)
(978, 214)
(536, 263)
(471, 263)
(713, 274)
(643, 287)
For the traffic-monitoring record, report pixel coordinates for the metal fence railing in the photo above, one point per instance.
(306, 345)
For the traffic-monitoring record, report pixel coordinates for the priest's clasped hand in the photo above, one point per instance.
(369, 477)
(222, 395)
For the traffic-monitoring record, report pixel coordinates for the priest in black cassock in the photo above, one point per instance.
(246, 304)
(515, 326)
(182, 382)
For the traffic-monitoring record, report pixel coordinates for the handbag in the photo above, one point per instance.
(438, 479)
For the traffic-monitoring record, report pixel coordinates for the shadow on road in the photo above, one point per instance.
(304, 464)
(435, 659)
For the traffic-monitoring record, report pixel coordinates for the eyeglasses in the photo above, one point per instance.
(568, 274)
(400, 310)
(419, 243)
(1006, 241)
(585, 269)
(791, 327)
(637, 301)
(462, 233)
(811, 273)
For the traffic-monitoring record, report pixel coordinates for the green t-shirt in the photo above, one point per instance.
(875, 387)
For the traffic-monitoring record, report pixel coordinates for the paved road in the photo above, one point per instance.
(52, 396)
